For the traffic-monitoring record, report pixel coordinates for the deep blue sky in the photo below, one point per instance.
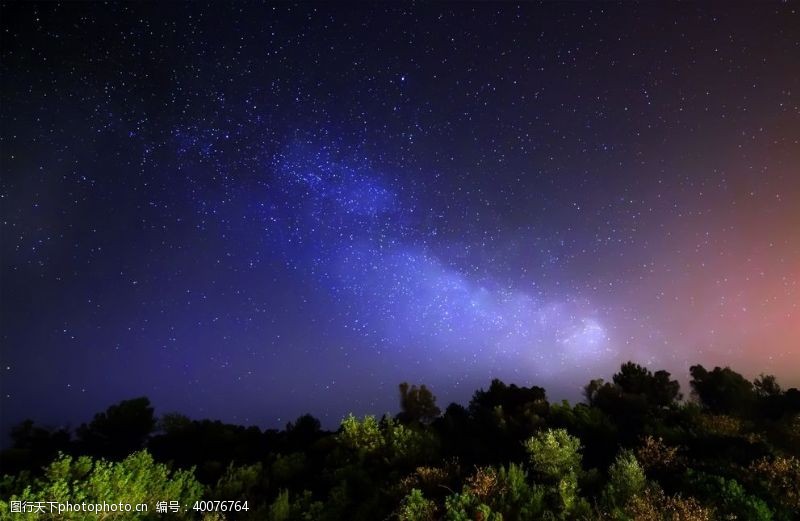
(252, 212)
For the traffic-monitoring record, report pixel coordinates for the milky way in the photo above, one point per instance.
(367, 246)
(250, 213)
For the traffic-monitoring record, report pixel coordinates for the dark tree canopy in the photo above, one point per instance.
(656, 388)
(722, 390)
(510, 397)
(766, 385)
(119, 431)
(33, 445)
(29, 436)
(633, 451)
(591, 391)
(634, 391)
(303, 431)
(417, 404)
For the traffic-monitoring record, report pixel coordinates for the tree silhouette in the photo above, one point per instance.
(417, 404)
(119, 431)
(766, 385)
(592, 391)
(33, 446)
(722, 390)
(657, 389)
(631, 452)
(303, 431)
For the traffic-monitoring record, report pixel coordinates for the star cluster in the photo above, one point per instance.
(252, 212)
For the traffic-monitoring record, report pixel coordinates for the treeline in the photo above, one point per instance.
(635, 450)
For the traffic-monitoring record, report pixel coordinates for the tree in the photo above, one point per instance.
(654, 505)
(625, 477)
(407, 443)
(136, 479)
(415, 507)
(28, 435)
(664, 392)
(519, 499)
(174, 423)
(240, 482)
(303, 432)
(730, 498)
(504, 416)
(361, 436)
(122, 429)
(592, 390)
(770, 396)
(657, 389)
(766, 386)
(33, 447)
(554, 453)
(466, 506)
(781, 477)
(654, 454)
(528, 457)
(556, 459)
(633, 378)
(280, 509)
(511, 398)
(417, 404)
(722, 390)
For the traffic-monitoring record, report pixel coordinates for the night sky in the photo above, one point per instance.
(248, 213)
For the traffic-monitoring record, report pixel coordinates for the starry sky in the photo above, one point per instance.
(252, 212)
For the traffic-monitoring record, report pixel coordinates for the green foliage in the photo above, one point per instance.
(555, 458)
(240, 482)
(509, 412)
(567, 491)
(467, 507)
(136, 479)
(527, 458)
(305, 508)
(729, 497)
(280, 509)
(415, 507)
(288, 468)
(361, 436)
(408, 444)
(389, 438)
(593, 426)
(554, 453)
(625, 477)
(290, 507)
(779, 478)
(520, 500)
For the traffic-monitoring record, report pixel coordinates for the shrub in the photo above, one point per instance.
(626, 477)
(137, 479)
(415, 507)
(554, 453)
(654, 505)
(362, 436)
